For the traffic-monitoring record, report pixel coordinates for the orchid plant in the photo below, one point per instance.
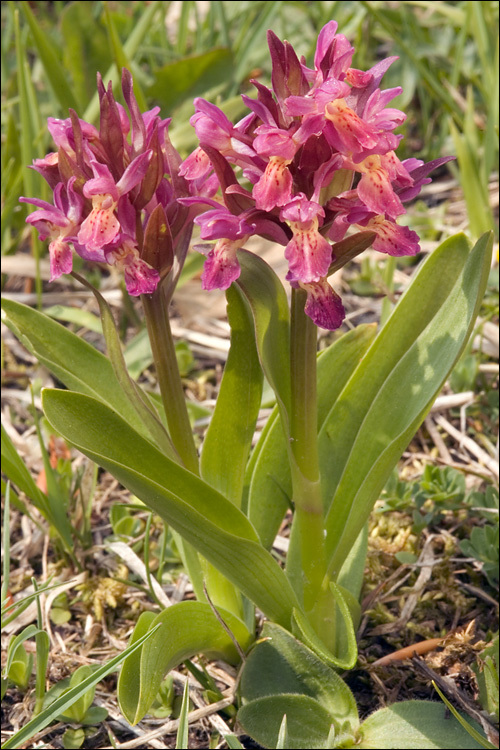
(312, 167)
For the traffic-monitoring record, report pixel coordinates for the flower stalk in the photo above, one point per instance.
(169, 380)
(304, 460)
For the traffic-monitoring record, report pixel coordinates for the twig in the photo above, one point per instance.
(172, 726)
(470, 445)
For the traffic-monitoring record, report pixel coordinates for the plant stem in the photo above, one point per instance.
(174, 404)
(169, 379)
(304, 449)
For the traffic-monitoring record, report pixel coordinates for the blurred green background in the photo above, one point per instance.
(51, 51)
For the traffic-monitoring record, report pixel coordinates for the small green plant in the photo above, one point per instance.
(483, 543)
(487, 670)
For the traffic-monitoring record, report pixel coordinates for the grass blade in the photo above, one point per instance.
(181, 742)
(67, 700)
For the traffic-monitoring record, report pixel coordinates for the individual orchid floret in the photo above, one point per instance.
(48, 167)
(274, 187)
(60, 223)
(308, 253)
(231, 232)
(140, 277)
(375, 187)
(333, 55)
(213, 128)
(101, 225)
(390, 238)
(323, 304)
(221, 267)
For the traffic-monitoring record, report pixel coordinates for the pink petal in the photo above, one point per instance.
(308, 254)
(61, 259)
(393, 239)
(274, 188)
(376, 192)
(99, 228)
(140, 278)
(324, 305)
(221, 267)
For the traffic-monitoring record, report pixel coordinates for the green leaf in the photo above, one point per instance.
(266, 297)
(343, 635)
(74, 362)
(283, 740)
(54, 512)
(72, 739)
(308, 723)
(229, 437)
(182, 739)
(204, 517)
(190, 77)
(233, 742)
(477, 736)
(65, 701)
(79, 708)
(414, 725)
(187, 628)
(19, 664)
(270, 482)
(51, 64)
(77, 315)
(395, 384)
(16, 470)
(279, 665)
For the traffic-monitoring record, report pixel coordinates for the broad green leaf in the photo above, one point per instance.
(270, 482)
(77, 711)
(308, 723)
(187, 628)
(395, 384)
(266, 297)
(203, 517)
(190, 77)
(229, 437)
(342, 651)
(414, 725)
(51, 64)
(65, 701)
(72, 360)
(280, 664)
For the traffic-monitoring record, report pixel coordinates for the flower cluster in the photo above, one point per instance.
(112, 201)
(319, 152)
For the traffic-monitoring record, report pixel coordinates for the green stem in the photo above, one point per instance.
(304, 449)
(172, 394)
(169, 379)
